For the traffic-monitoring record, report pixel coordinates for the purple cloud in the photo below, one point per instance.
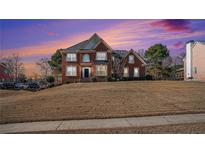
(179, 45)
(174, 25)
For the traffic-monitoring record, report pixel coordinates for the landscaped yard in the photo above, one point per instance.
(102, 100)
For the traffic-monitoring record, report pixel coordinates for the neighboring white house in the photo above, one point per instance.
(194, 62)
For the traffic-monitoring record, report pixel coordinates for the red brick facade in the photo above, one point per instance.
(92, 65)
(137, 64)
(86, 71)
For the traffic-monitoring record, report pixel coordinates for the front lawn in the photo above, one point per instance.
(102, 100)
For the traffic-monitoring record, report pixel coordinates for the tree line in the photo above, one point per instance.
(160, 65)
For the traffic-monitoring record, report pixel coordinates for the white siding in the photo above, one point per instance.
(188, 60)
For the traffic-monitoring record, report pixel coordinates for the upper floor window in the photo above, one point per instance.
(101, 55)
(131, 59)
(86, 58)
(71, 57)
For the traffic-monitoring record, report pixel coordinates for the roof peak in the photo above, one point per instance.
(95, 35)
(89, 44)
(131, 50)
(194, 41)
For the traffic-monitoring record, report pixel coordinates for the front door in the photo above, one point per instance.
(86, 73)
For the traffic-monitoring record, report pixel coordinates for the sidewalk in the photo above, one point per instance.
(33, 127)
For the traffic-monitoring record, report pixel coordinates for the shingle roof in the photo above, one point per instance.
(89, 44)
(93, 42)
(78, 46)
(124, 53)
(121, 53)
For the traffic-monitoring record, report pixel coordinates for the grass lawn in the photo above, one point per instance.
(102, 100)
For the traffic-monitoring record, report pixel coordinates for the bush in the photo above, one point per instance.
(50, 79)
(94, 79)
(149, 77)
(51, 85)
(109, 78)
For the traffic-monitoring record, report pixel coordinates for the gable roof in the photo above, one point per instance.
(201, 42)
(195, 42)
(120, 53)
(89, 44)
(125, 53)
(138, 56)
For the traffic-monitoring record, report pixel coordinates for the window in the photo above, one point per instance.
(113, 58)
(136, 72)
(195, 70)
(131, 59)
(86, 58)
(101, 55)
(71, 57)
(101, 70)
(6, 71)
(126, 72)
(71, 71)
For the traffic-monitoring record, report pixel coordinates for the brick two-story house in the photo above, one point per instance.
(93, 58)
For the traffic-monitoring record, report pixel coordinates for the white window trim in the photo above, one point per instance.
(71, 60)
(131, 62)
(99, 52)
(101, 74)
(137, 75)
(126, 74)
(72, 73)
(86, 61)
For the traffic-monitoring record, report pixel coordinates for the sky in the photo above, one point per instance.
(37, 38)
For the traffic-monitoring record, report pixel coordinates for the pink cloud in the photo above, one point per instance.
(125, 35)
(45, 48)
(50, 33)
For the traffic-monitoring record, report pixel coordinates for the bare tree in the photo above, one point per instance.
(166, 62)
(15, 66)
(180, 58)
(44, 66)
(118, 66)
(35, 75)
(166, 68)
(141, 52)
(178, 62)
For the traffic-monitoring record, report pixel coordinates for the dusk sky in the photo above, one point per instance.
(34, 39)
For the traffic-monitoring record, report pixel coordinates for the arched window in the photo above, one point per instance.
(86, 58)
